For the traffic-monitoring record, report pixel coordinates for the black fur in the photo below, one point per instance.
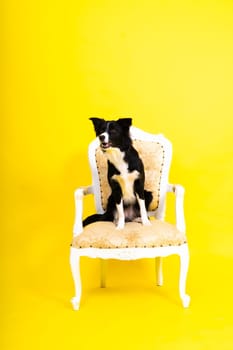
(116, 134)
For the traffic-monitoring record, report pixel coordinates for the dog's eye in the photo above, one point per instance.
(113, 129)
(101, 131)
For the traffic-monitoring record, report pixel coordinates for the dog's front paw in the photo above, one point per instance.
(120, 225)
(146, 222)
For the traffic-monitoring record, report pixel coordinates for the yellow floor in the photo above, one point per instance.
(131, 313)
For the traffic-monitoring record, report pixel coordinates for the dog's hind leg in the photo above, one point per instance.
(140, 194)
(143, 211)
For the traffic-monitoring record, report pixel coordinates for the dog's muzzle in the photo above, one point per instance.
(104, 141)
(105, 145)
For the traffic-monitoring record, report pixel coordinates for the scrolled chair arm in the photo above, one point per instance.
(79, 193)
(179, 191)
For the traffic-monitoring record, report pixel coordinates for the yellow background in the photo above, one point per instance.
(169, 65)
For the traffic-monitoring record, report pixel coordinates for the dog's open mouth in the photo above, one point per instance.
(105, 145)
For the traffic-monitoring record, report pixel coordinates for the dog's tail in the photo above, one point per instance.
(97, 217)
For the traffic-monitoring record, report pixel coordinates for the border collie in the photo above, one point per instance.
(128, 200)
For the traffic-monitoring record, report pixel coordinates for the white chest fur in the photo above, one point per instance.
(116, 157)
(125, 178)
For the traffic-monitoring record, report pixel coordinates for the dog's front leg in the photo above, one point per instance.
(121, 216)
(143, 212)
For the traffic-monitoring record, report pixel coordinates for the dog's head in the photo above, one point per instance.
(113, 133)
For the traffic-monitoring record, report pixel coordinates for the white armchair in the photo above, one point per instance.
(102, 239)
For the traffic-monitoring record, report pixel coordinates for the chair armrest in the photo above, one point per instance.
(78, 197)
(178, 190)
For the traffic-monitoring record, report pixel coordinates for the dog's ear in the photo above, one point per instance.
(98, 123)
(125, 123)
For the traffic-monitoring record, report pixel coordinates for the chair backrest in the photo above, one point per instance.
(155, 152)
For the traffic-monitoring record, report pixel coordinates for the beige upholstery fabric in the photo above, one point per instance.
(152, 155)
(134, 235)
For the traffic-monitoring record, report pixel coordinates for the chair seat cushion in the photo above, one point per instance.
(134, 235)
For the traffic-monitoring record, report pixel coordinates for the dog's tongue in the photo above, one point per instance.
(105, 145)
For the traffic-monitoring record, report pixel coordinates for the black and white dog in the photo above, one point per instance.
(128, 200)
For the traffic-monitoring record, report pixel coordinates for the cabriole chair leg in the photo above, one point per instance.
(184, 264)
(75, 269)
(103, 267)
(159, 271)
